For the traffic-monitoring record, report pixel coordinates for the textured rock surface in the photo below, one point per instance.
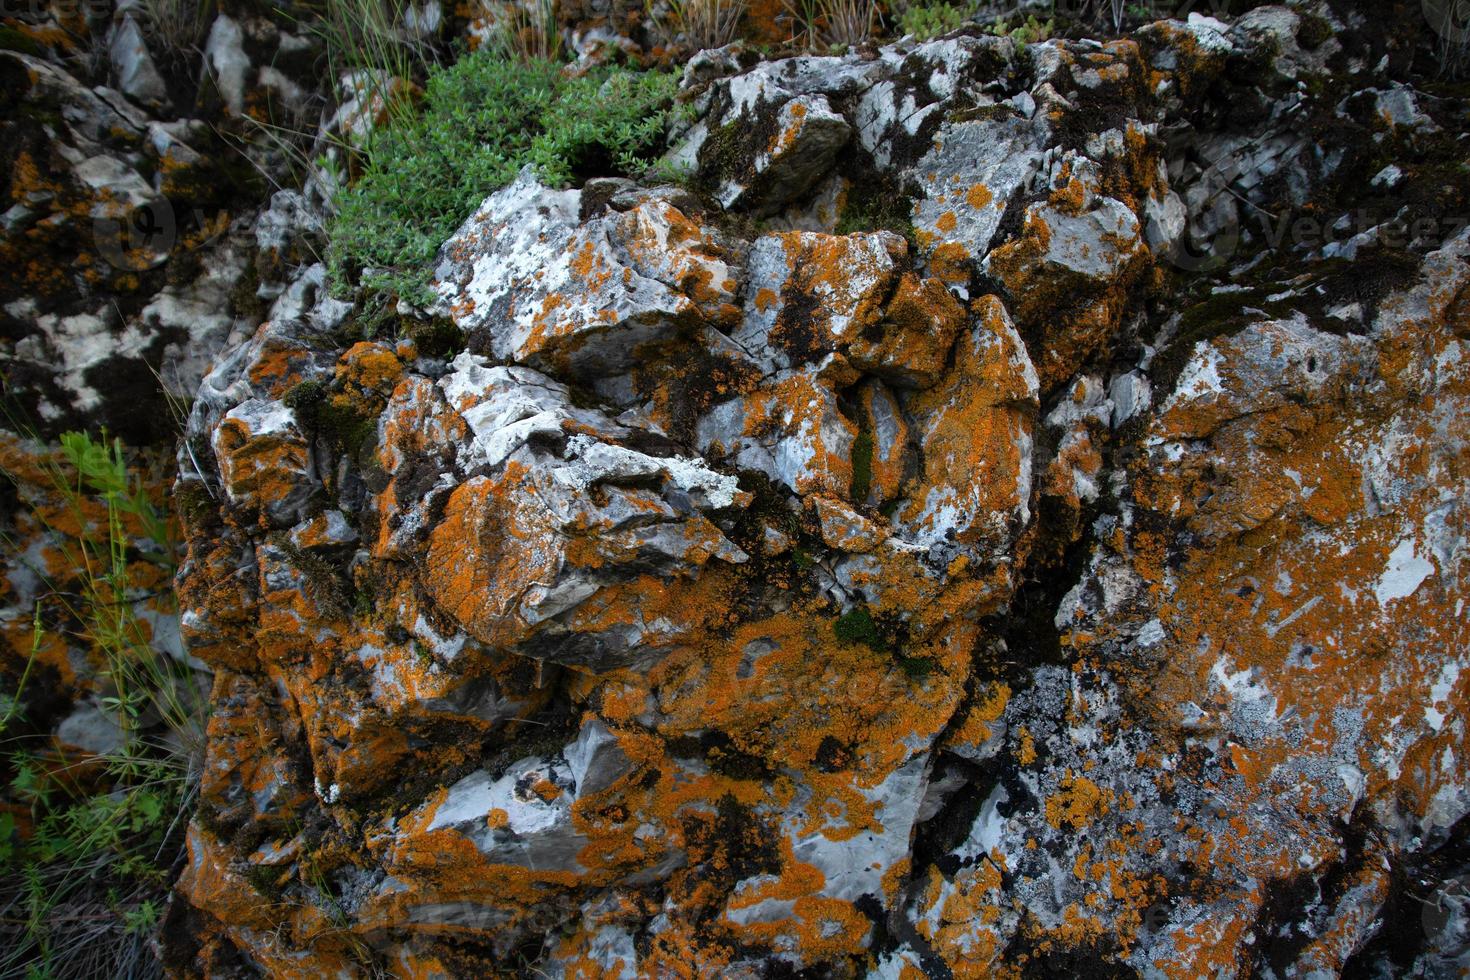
(956, 536)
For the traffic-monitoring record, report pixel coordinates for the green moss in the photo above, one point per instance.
(876, 208)
(304, 398)
(983, 113)
(862, 466)
(437, 338)
(1313, 31)
(1220, 315)
(858, 626)
(917, 667)
(193, 502)
(266, 880)
(346, 428)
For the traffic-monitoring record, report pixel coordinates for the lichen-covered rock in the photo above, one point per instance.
(955, 537)
(531, 283)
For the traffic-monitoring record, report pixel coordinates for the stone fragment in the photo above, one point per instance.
(967, 180)
(264, 461)
(805, 138)
(534, 285)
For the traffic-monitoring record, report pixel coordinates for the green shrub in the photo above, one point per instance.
(928, 20)
(482, 120)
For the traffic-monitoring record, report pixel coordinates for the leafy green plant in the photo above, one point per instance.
(1028, 31)
(482, 120)
(84, 873)
(927, 20)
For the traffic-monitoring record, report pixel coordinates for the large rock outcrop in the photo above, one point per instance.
(953, 534)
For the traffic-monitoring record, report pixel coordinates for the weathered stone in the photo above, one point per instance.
(806, 139)
(545, 290)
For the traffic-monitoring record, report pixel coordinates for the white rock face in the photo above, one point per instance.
(547, 290)
(224, 54)
(522, 818)
(968, 179)
(133, 68)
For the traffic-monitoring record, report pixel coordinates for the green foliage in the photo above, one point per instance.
(858, 626)
(82, 888)
(928, 20)
(482, 120)
(102, 469)
(1024, 32)
(873, 207)
(13, 40)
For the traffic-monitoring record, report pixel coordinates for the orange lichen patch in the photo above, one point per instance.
(803, 408)
(1070, 197)
(1076, 457)
(279, 364)
(1210, 947)
(784, 139)
(973, 425)
(843, 276)
(950, 262)
(1040, 289)
(960, 925)
(766, 299)
(211, 883)
(685, 952)
(766, 22)
(925, 318)
(546, 789)
(947, 222)
(978, 196)
(782, 686)
(486, 552)
(1077, 803)
(1026, 747)
(981, 717)
(372, 366)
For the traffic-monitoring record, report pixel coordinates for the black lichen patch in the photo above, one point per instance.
(720, 753)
